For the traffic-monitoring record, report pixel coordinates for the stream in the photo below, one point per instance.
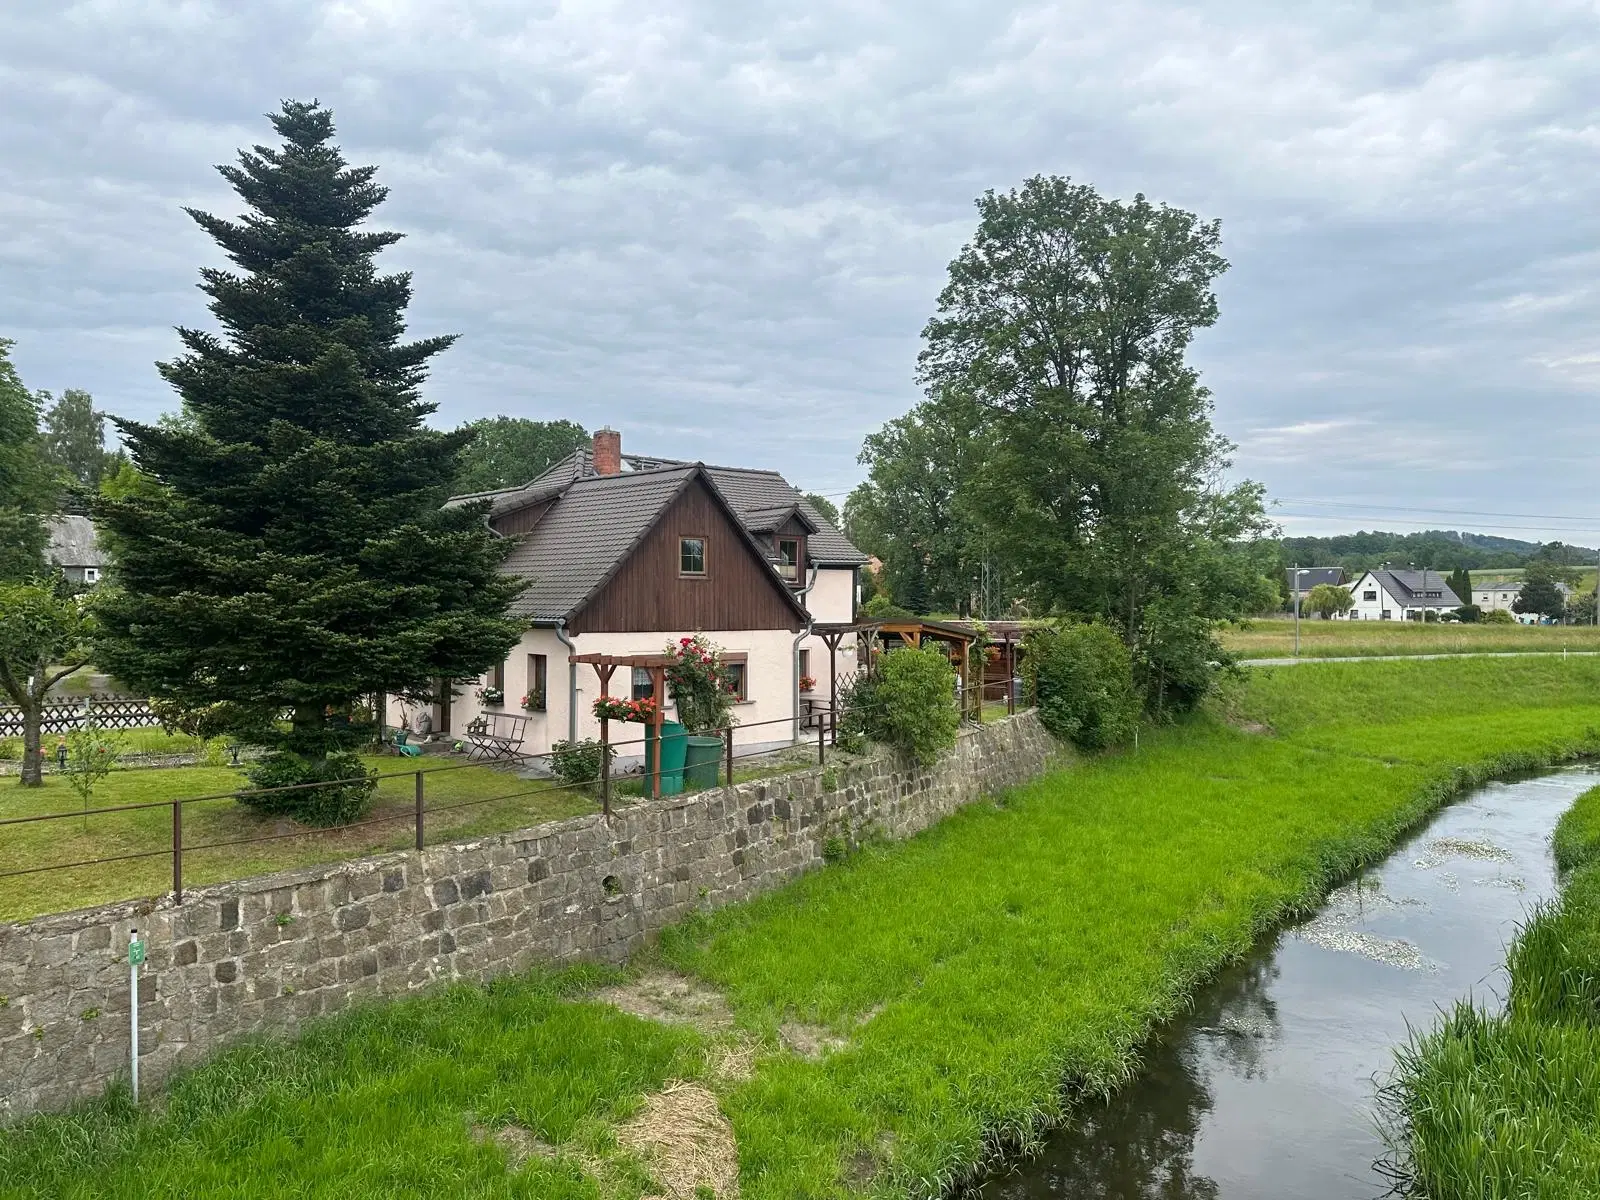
(1266, 1089)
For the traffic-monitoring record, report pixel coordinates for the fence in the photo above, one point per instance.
(60, 716)
(418, 816)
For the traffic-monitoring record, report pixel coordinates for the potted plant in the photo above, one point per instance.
(701, 687)
(491, 696)
(533, 701)
(807, 684)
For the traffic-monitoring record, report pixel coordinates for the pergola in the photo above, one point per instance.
(605, 665)
(914, 631)
(832, 633)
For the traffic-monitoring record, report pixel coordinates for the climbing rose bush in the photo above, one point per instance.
(701, 685)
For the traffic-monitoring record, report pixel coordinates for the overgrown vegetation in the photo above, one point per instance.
(1503, 1105)
(577, 762)
(908, 701)
(965, 975)
(1081, 678)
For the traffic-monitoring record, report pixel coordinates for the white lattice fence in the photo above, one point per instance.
(109, 712)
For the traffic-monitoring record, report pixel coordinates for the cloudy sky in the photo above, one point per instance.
(719, 225)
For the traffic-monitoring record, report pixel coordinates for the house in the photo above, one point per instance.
(1502, 596)
(1307, 578)
(624, 555)
(1388, 595)
(75, 549)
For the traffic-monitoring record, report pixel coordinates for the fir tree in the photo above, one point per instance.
(288, 552)
(29, 487)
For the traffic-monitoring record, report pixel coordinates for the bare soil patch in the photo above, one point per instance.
(518, 1143)
(687, 1143)
(671, 998)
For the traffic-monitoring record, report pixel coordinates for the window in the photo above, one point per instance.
(538, 676)
(805, 664)
(691, 556)
(91, 574)
(1369, 595)
(642, 687)
(789, 558)
(497, 677)
(737, 667)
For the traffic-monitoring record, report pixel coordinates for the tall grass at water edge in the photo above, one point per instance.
(978, 978)
(1504, 1104)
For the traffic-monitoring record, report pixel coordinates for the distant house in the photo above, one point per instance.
(75, 549)
(1502, 597)
(1310, 577)
(1386, 595)
(623, 554)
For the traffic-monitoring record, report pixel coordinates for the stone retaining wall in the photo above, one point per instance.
(265, 954)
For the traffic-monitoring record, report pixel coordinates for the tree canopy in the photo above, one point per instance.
(75, 437)
(29, 487)
(1327, 600)
(1540, 594)
(510, 451)
(287, 548)
(1065, 452)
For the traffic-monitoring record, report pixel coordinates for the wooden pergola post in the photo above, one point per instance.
(658, 689)
(831, 639)
(605, 671)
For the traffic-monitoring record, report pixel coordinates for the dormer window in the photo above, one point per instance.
(691, 556)
(789, 558)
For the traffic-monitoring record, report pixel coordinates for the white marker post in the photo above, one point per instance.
(135, 957)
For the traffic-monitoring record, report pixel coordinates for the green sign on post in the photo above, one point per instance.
(135, 953)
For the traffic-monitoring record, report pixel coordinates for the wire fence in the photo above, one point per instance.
(821, 718)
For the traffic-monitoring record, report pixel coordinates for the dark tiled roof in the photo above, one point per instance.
(1310, 577)
(585, 536)
(575, 466)
(749, 492)
(73, 542)
(1411, 585)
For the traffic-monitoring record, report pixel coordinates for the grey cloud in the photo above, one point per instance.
(721, 226)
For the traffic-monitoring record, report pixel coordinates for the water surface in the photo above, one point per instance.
(1266, 1090)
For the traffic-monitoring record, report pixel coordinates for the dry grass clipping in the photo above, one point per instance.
(672, 999)
(687, 1142)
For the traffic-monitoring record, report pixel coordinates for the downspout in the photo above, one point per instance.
(794, 649)
(572, 679)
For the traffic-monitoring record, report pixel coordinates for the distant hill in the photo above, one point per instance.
(1438, 549)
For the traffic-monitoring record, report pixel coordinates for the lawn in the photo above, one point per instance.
(975, 978)
(1273, 637)
(492, 800)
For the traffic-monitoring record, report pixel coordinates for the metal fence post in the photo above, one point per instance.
(177, 851)
(728, 737)
(822, 736)
(420, 809)
(605, 778)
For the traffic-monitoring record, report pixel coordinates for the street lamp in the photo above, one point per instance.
(1297, 573)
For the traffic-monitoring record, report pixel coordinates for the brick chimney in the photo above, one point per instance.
(607, 452)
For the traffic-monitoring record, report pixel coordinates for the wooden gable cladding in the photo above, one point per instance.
(648, 593)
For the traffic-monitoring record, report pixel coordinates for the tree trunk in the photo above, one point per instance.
(32, 755)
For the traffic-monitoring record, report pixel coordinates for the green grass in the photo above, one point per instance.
(397, 1100)
(498, 801)
(983, 973)
(1273, 637)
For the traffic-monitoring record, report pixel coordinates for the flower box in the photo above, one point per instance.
(491, 695)
(614, 708)
(807, 684)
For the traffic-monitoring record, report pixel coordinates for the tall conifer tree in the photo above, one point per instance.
(292, 554)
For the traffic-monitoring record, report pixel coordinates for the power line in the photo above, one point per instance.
(1444, 512)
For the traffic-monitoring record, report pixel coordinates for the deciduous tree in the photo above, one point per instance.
(510, 451)
(1327, 600)
(29, 487)
(45, 632)
(1539, 594)
(75, 436)
(288, 552)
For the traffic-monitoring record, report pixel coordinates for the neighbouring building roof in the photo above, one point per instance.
(1420, 589)
(73, 542)
(1310, 577)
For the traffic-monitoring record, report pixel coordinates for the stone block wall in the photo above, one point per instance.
(264, 954)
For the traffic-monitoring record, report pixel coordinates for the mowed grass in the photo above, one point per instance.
(979, 976)
(401, 1100)
(1274, 638)
(1505, 1104)
(462, 802)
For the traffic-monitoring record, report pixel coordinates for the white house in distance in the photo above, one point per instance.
(1501, 596)
(1388, 595)
(622, 555)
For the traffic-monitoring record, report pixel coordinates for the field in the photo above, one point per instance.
(1496, 1105)
(896, 1018)
(498, 800)
(1274, 638)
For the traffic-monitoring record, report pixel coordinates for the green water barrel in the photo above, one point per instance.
(700, 762)
(674, 744)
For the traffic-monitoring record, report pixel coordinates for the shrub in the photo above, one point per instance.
(10, 748)
(914, 703)
(860, 715)
(346, 793)
(701, 685)
(1081, 677)
(1498, 616)
(1469, 614)
(90, 757)
(577, 762)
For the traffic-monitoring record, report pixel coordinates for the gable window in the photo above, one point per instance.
(691, 556)
(737, 667)
(789, 558)
(1369, 595)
